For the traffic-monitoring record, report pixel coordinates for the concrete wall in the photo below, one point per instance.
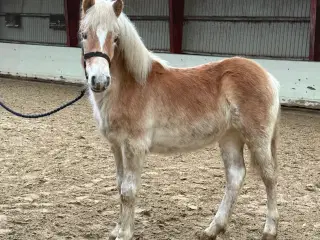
(299, 80)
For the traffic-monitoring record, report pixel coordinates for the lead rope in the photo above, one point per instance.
(82, 93)
(85, 57)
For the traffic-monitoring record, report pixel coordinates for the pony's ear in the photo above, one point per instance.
(86, 4)
(118, 7)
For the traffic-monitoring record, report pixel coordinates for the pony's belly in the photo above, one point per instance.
(171, 141)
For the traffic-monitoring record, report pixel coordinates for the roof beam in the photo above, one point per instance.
(176, 14)
(314, 53)
(72, 17)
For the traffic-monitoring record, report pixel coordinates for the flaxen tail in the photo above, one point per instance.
(275, 140)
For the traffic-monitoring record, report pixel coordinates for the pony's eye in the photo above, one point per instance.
(115, 40)
(84, 35)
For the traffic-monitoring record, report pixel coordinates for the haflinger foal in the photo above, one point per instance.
(143, 106)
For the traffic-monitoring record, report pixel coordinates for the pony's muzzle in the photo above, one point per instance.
(99, 84)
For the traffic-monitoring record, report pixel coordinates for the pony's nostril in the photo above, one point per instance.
(107, 81)
(93, 80)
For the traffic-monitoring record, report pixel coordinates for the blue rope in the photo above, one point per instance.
(43, 114)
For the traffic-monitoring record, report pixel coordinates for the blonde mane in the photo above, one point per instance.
(137, 57)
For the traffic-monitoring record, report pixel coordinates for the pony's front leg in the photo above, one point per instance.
(119, 168)
(133, 157)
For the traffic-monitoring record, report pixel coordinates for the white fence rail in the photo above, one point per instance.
(299, 80)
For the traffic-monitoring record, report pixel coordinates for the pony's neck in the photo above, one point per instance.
(119, 69)
(136, 57)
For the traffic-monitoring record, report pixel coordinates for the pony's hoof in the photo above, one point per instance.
(112, 237)
(202, 235)
(267, 236)
(115, 232)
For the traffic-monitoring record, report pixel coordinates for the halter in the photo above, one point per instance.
(93, 54)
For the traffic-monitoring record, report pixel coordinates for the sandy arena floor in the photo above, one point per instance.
(58, 178)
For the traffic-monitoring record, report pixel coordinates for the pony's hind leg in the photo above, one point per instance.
(231, 147)
(263, 156)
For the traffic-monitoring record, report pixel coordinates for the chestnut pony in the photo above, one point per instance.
(143, 106)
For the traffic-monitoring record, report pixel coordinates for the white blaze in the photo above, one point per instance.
(102, 34)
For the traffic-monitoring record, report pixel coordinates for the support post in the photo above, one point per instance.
(72, 17)
(176, 11)
(314, 54)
